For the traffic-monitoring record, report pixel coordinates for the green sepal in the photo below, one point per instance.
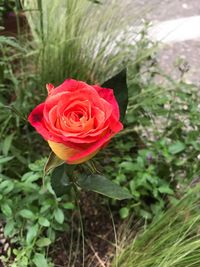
(52, 162)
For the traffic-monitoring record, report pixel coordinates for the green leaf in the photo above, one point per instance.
(145, 214)
(165, 190)
(10, 41)
(51, 234)
(40, 260)
(7, 144)
(9, 228)
(59, 180)
(128, 166)
(119, 86)
(5, 159)
(6, 210)
(124, 212)
(32, 233)
(44, 222)
(27, 214)
(30, 177)
(100, 184)
(6, 187)
(68, 206)
(52, 162)
(43, 242)
(177, 148)
(59, 216)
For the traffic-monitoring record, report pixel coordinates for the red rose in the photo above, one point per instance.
(77, 119)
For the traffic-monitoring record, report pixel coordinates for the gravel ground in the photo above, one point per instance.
(159, 10)
(189, 51)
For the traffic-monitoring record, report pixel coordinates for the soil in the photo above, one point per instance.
(11, 24)
(99, 236)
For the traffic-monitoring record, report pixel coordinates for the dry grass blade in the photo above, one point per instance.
(171, 241)
(81, 39)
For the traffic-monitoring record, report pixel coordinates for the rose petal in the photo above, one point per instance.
(93, 149)
(36, 120)
(64, 153)
(108, 95)
(77, 119)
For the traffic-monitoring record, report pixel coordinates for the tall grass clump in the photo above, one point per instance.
(82, 39)
(171, 241)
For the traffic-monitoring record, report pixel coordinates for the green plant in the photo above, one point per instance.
(15, 103)
(170, 241)
(158, 151)
(140, 174)
(71, 47)
(32, 214)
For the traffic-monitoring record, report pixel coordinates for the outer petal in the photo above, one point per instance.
(69, 85)
(36, 120)
(62, 151)
(109, 96)
(92, 149)
(65, 153)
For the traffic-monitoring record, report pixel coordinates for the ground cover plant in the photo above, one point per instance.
(153, 159)
(159, 149)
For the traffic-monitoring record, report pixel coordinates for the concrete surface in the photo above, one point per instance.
(177, 24)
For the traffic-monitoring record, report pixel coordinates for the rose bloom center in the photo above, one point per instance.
(76, 118)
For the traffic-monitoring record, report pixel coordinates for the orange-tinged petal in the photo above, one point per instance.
(62, 151)
(65, 153)
(77, 119)
(83, 159)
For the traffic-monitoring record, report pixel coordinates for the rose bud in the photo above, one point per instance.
(77, 119)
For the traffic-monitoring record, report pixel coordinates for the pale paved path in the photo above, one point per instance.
(184, 40)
